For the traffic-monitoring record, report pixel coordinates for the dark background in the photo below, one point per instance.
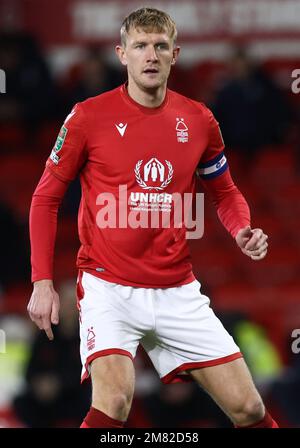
(236, 57)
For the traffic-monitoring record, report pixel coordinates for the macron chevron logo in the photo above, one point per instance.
(121, 128)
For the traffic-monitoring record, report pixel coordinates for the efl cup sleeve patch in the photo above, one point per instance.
(214, 167)
(58, 144)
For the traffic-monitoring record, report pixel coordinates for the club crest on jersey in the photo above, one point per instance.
(91, 339)
(153, 175)
(58, 144)
(182, 131)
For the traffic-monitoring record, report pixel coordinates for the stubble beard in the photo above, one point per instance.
(150, 87)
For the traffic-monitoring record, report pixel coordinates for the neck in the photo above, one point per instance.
(147, 97)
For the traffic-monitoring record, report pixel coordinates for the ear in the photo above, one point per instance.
(176, 51)
(120, 51)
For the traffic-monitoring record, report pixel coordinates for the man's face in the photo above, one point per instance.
(148, 57)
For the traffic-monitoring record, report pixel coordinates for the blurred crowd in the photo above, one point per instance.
(259, 119)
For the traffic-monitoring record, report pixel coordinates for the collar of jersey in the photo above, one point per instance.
(144, 109)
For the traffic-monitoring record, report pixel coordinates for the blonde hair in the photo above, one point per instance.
(149, 20)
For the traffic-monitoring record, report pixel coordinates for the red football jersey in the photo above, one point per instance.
(153, 153)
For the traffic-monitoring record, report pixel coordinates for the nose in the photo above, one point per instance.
(151, 54)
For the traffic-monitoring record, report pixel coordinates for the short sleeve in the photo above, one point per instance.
(69, 151)
(213, 162)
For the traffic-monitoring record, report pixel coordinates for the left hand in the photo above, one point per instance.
(252, 242)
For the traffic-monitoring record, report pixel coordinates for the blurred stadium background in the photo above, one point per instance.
(237, 57)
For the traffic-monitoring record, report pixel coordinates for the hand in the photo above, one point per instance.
(43, 307)
(253, 242)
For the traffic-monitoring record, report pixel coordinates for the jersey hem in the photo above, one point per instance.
(113, 279)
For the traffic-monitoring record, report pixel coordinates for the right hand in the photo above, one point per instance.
(43, 307)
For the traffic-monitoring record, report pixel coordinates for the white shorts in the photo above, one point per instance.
(176, 327)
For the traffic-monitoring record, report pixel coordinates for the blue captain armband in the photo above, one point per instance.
(213, 167)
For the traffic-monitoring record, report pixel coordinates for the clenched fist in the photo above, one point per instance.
(252, 242)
